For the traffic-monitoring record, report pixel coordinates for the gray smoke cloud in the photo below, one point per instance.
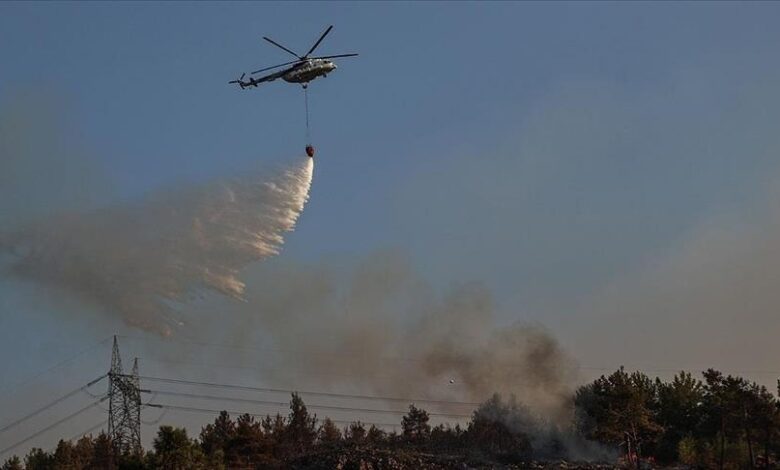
(138, 260)
(377, 326)
(45, 168)
(710, 301)
(381, 328)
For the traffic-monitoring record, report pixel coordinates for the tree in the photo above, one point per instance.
(375, 435)
(215, 437)
(14, 463)
(301, 430)
(63, 456)
(355, 433)
(173, 450)
(445, 438)
(103, 453)
(618, 410)
(725, 423)
(250, 446)
(37, 459)
(83, 451)
(680, 412)
(415, 424)
(274, 427)
(501, 429)
(329, 433)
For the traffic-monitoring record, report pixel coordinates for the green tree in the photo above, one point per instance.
(329, 433)
(415, 424)
(174, 450)
(301, 430)
(760, 419)
(355, 433)
(38, 459)
(680, 412)
(83, 451)
(500, 429)
(215, 437)
(445, 438)
(14, 463)
(64, 458)
(250, 446)
(375, 435)
(274, 427)
(618, 410)
(103, 453)
(725, 421)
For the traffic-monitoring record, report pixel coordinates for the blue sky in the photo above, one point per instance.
(549, 150)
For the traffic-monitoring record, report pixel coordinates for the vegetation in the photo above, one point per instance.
(722, 422)
(626, 418)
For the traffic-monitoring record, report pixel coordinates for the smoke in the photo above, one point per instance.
(139, 260)
(381, 328)
(712, 298)
(45, 168)
(377, 326)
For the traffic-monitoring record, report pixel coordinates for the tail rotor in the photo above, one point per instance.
(240, 81)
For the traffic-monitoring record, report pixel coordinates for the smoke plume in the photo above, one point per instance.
(377, 326)
(712, 298)
(381, 328)
(139, 260)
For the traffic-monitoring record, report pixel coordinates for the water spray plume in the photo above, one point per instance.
(139, 259)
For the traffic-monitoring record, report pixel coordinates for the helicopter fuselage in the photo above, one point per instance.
(309, 70)
(302, 70)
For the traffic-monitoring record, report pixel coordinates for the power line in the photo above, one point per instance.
(89, 431)
(313, 406)
(156, 420)
(53, 425)
(270, 369)
(56, 366)
(324, 394)
(51, 404)
(255, 415)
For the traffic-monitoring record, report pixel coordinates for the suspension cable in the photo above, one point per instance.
(53, 425)
(312, 406)
(306, 101)
(7, 390)
(55, 402)
(89, 431)
(305, 392)
(194, 409)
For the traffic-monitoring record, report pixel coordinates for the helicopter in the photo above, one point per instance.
(301, 70)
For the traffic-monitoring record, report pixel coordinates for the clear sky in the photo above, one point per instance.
(578, 158)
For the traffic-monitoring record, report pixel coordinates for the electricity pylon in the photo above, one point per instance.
(124, 406)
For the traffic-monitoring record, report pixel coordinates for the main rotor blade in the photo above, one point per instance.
(319, 41)
(280, 46)
(275, 66)
(333, 56)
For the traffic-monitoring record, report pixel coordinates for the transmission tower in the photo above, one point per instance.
(124, 405)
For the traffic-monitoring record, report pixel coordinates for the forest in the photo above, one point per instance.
(620, 420)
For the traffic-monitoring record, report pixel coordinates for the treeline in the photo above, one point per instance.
(500, 431)
(718, 422)
(625, 418)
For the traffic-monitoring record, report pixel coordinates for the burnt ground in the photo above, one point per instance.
(366, 458)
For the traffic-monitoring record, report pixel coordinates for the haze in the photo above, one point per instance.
(602, 175)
